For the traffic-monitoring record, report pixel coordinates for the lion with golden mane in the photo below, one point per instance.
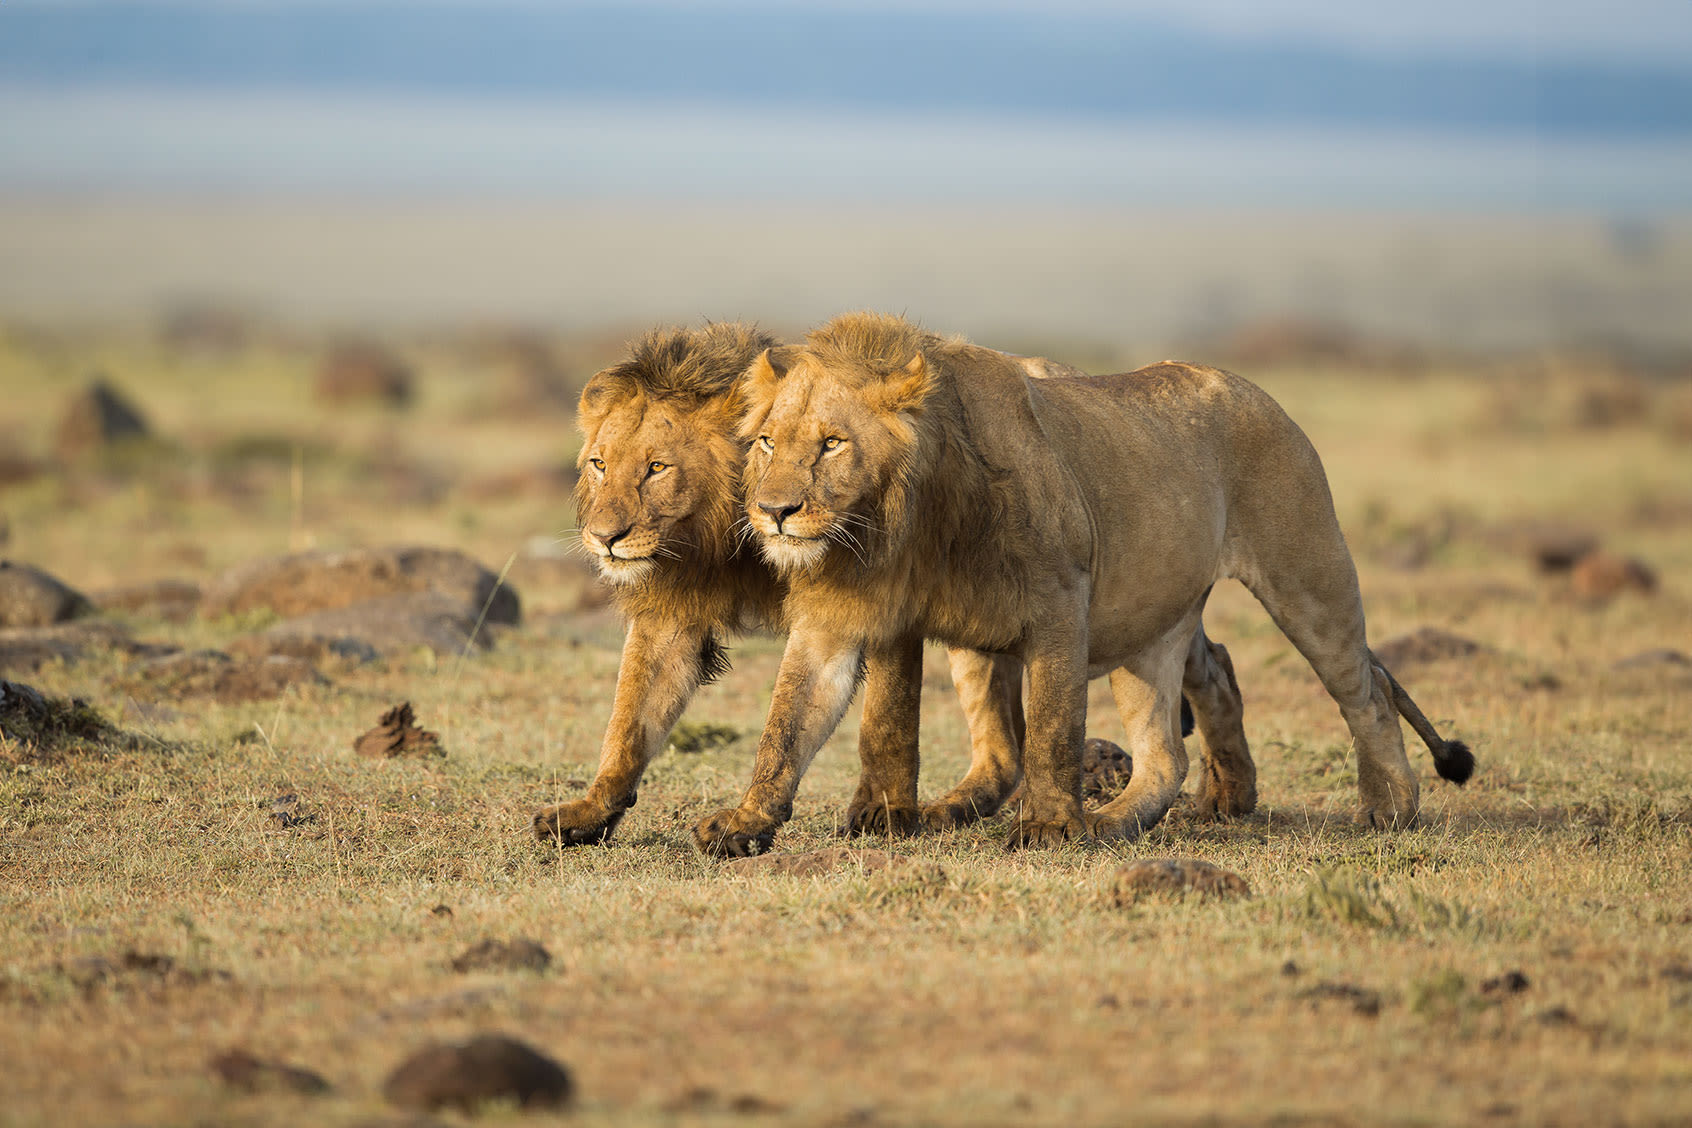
(1077, 523)
(659, 501)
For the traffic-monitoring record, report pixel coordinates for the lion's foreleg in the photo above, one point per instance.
(1057, 724)
(662, 667)
(886, 799)
(818, 677)
(990, 690)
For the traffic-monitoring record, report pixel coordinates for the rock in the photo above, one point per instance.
(1150, 876)
(503, 955)
(363, 372)
(95, 418)
(486, 1068)
(1602, 575)
(393, 626)
(172, 600)
(397, 735)
(1360, 999)
(214, 674)
(1660, 658)
(239, 1069)
(1558, 551)
(1510, 983)
(44, 726)
(1425, 644)
(24, 650)
(133, 967)
(307, 582)
(287, 641)
(1105, 767)
(30, 597)
(815, 863)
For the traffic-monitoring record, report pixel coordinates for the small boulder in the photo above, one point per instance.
(97, 417)
(30, 597)
(306, 582)
(171, 600)
(214, 674)
(1425, 644)
(1153, 876)
(489, 1067)
(1600, 576)
(503, 955)
(392, 625)
(25, 650)
(240, 1069)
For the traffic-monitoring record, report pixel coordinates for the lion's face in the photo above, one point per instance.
(657, 482)
(826, 447)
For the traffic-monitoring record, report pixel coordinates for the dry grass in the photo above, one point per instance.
(1006, 988)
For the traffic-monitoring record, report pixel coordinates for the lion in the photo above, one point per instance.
(1078, 523)
(659, 501)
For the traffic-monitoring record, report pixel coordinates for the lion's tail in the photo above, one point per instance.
(1452, 758)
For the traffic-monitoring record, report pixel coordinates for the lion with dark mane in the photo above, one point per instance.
(909, 486)
(658, 503)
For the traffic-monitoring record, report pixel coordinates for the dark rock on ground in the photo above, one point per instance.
(214, 674)
(503, 955)
(1152, 876)
(97, 417)
(1425, 644)
(24, 650)
(30, 597)
(1659, 659)
(392, 626)
(307, 582)
(172, 600)
(486, 1068)
(44, 727)
(1510, 983)
(1106, 768)
(397, 734)
(1360, 999)
(320, 650)
(133, 967)
(240, 1069)
(363, 372)
(1603, 575)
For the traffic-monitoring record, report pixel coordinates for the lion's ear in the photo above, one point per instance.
(760, 383)
(906, 391)
(593, 406)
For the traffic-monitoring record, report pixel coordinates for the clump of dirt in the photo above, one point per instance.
(363, 372)
(35, 727)
(398, 734)
(97, 417)
(489, 1067)
(133, 969)
(816, 863)
(1362, 1000)
(307, 582)
(1600, 576)
(1162, 876)
(30, 597)
(1425, 644)
(1502, 986)
(171, 600)
(503, 955)
(240, 1069)
(702, 736)
(214, 674)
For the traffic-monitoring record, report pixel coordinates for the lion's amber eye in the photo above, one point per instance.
(597, 464)
(831, 442)
(658, 467)
(764, 441)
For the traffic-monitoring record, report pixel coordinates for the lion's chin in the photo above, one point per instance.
(618, 570)
(793, 554)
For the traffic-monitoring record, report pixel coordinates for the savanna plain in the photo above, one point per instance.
(206, 875)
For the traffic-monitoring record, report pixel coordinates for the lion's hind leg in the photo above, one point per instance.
(1148, 695)
(1227, 776)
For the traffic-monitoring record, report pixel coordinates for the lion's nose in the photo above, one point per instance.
(778, 513)
(607, 539)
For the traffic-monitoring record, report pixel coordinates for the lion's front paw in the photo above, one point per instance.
(1220, 798)
(735, 833)
(576, 823)
(879, 819)
(951, 811)
(1047, 832)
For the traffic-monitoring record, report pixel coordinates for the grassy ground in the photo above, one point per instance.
(1353, 987)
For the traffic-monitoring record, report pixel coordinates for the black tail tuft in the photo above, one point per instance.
(1454, 761)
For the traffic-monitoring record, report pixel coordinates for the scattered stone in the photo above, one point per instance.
(214, 674)
(489, 1067)
(1360, 999)
(702, 736)
(239, 1069)
(171, 600)
(1105, 768)
(1425, 644)
(391, 626)
(1512, 982)
(24, 650)
(1291, 968)
(89, 972)
(30, 597)
(97, 417)
(42, 727)
(397, 734)
(442, 910)
(1559, 551)
(1601, 575)
(1152, 876)
(363, 372)
(1654, 659)
(816, 863)
(307, 582)
(319, 650)
(503, 955)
